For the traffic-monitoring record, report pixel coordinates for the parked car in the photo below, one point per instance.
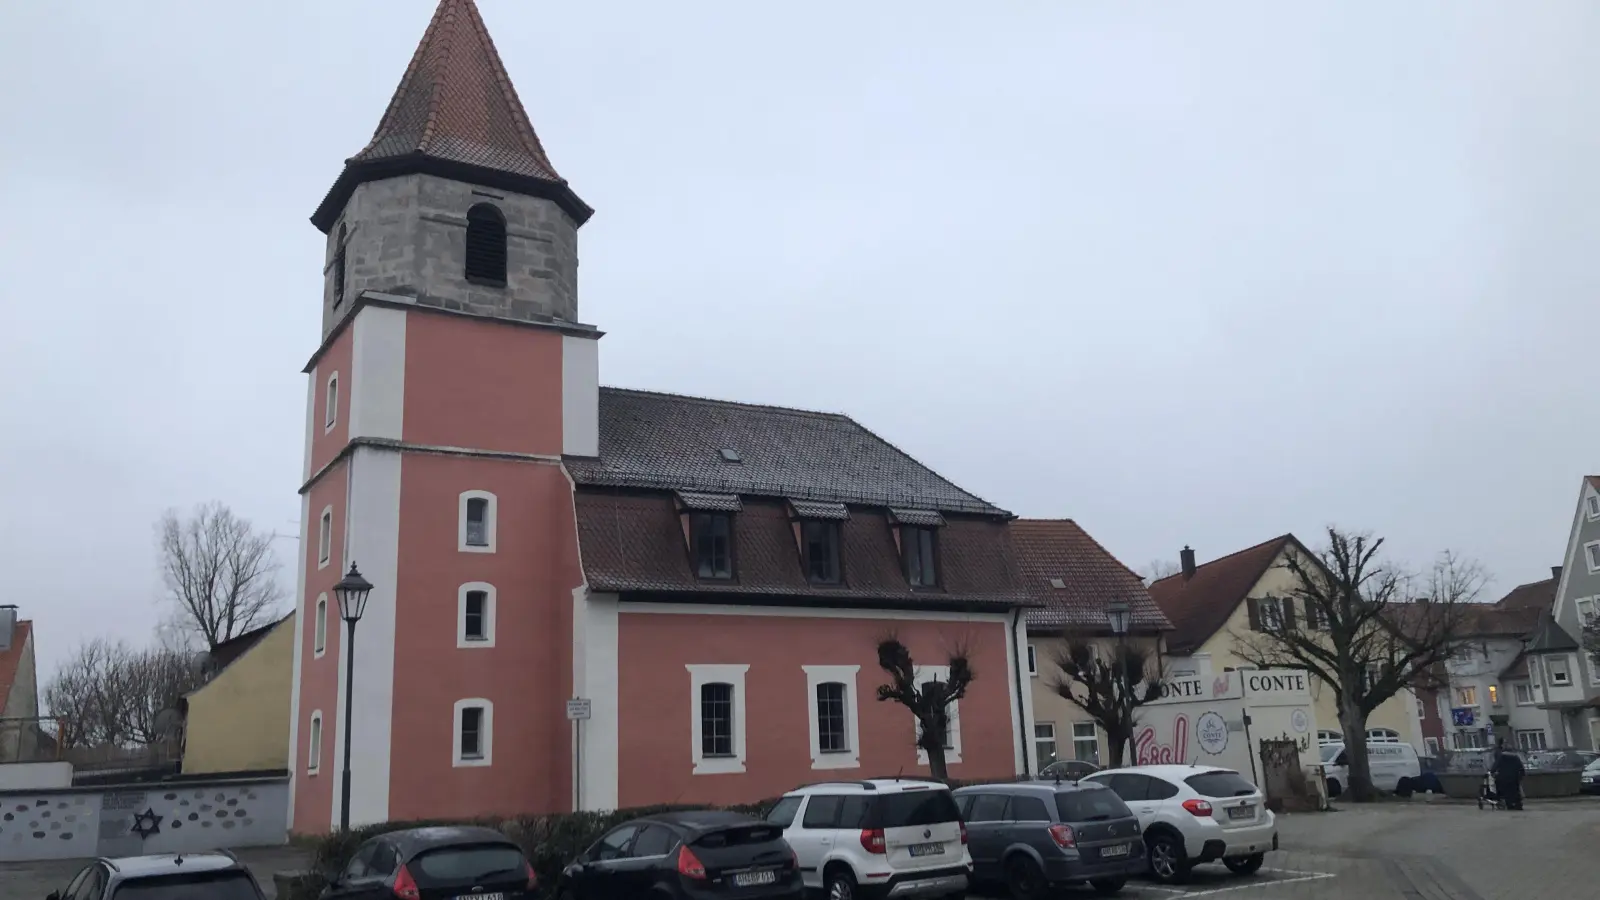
(686, 855)
(1387, 761)
(1036, 838)
(434, 864)
(1591, 778)
(890, 838)
(201, 876)
(1548, 760)
(1067, 770)
(1195, 814)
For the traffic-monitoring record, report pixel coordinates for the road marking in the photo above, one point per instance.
(1317, 876)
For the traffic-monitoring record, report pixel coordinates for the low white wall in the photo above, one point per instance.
(35, 776)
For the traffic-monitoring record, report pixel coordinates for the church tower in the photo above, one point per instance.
(451, 380)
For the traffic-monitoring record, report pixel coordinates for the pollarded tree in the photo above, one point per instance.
(1108, 684)
(1365, 627)
(929, 701)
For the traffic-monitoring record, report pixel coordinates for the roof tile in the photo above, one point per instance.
(1198, 606)
(1059, 550)
(917, 518)
(703, 502)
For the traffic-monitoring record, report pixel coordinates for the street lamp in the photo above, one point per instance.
(1119, 617)
(352, 591)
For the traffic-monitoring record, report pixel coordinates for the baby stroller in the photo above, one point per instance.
(1487, 796)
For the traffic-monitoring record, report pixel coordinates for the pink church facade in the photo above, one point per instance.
(712, 577)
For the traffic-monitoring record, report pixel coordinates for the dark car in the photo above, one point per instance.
(435, 864)
(1068, 770)
(688, 855)
(1034, 837)
(201, 876)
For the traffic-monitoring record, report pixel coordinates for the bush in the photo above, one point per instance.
(550, 842)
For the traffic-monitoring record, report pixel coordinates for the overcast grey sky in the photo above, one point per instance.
(1186, 272)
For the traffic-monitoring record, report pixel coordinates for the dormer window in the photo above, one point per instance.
(918, 531)
(486, 245)
(819, 541)
(711, 535)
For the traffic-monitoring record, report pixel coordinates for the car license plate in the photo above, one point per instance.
(751, 879)
(927, 849)
(1242, 812)
(494, 896)
(1115, 850)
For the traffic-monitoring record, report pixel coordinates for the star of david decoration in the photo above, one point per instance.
(147, 823)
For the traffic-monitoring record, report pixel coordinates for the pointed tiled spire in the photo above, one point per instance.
(456, 112)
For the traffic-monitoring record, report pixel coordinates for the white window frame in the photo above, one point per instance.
(952, 754)
(490, 615)
(701, 674)
(330, 403)
(816, 676)
(319, 632)
(1468, 695)
(1274, 621)
(491, 522)
(1593, 502)
(325, 538)
(1586, 607)
(485, 738)
(1422, 708)
(1038, 751)
(1519, 690)
(1094, 734)
(314, 744)
(1543, 739)
(1566, 673)
(1432, 743)
(1382, 736)
(1033, 661)
(1328, 736)
(1591, 556)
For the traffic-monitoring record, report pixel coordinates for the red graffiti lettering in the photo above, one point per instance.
(1147, 752)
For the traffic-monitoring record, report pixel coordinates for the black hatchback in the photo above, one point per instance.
(1035, 837)
(694, 855)
(434, 864)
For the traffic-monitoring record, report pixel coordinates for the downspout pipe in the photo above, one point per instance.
(1022, 711)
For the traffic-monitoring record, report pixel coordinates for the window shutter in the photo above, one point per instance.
(1253, 608)
(1287, 604)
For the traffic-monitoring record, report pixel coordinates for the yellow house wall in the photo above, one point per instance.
(1049, 707)
(1398, 712)
(240, 721)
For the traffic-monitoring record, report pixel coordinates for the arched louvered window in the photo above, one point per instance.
(338, 268)
(486, 244)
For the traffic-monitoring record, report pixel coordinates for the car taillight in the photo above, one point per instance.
(405, 886)
(963, 832)
(689, 865)
(794, 859)
(872, 840)
(1063, 836)
(533, 879)
(1198, 807)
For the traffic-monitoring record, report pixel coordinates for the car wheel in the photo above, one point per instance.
(1107, 885)
(840, 884)
(1245, 865)
(1024, 879)
(1168, 863)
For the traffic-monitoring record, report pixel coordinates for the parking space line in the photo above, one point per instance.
(1316, 876)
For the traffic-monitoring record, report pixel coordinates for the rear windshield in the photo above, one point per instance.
(733, 837)
(467, 863)
(902, 810)
(1220, 784)
(232, 885)
(1091, 805)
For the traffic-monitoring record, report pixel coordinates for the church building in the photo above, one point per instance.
(711, 577)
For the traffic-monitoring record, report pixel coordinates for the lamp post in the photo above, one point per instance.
(352, 591)
(1119, 617)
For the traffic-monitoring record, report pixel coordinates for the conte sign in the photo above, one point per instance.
(1281, 681)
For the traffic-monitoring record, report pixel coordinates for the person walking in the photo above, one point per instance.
(1508, 771)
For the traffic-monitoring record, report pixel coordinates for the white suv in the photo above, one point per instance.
(1195, 814)
(885, 838)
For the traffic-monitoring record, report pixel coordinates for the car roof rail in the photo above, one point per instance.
(863, 784)
(110, 864)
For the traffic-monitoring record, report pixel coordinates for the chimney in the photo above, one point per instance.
(1186, 558)
(1555, 572)
(8, 624)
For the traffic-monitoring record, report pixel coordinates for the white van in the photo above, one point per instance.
(1389, 761)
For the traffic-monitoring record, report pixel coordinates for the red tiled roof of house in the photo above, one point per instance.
(1535, 595)
(1594, 481)
(1199, 605)
(1090, 576)
(11, 659)
(1490, 621)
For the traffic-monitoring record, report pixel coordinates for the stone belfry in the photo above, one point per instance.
(454, 203)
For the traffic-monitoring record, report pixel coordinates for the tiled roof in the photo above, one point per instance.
(702, 502)
(671, 442)
(1485, 621)
(1199, 605)
(224, 654)
(11, 659)
(1518, 670)
(1549, 637)
(1535, 595)
(920, 518)
(1050, 550)
(632, 541)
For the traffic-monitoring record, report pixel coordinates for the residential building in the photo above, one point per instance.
(710, 580)
(1073, 579)
(1214, 606)
(20, 735)
(1492, 694)
(1432, 689)
(1569, 673)
(238, 721)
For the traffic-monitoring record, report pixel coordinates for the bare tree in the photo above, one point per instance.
(1365, 627)
(1157, 569)
(1108, 685)
(220, 573)
(1591, 638)
(157, 678)
(928, 701)
(109, 694)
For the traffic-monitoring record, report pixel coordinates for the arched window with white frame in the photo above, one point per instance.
(319, 643)
(473, 732)
(475, 615)
(478, 511)
(314, 744)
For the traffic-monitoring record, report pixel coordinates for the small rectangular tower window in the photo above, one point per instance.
(474, 732)
(477, 614)
(338, 267)
(325, 538)
(330, 412)
(477, 513)
(716, 719)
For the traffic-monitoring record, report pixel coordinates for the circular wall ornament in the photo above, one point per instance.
(1211, 732)
(1299, 721)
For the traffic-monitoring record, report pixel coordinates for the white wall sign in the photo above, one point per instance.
(577, 709)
